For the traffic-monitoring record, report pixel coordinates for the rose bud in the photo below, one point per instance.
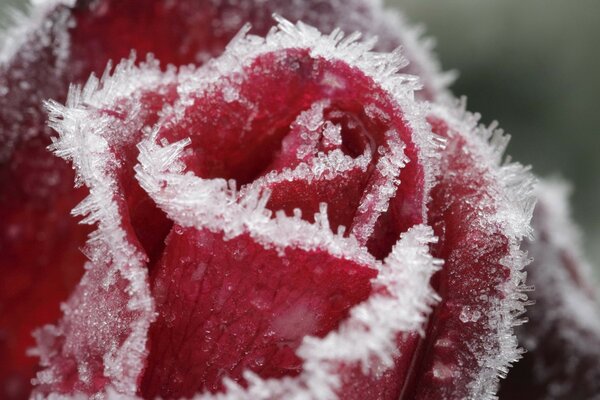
(63, 42)
(262, 231)
(562, 337)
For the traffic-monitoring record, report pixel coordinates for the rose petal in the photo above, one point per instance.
(226, 306)
(562, 337)
(480, 210)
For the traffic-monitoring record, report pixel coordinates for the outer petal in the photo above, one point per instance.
(480, 209)
(562, 337)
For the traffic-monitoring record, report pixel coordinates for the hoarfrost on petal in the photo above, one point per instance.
(101, 343)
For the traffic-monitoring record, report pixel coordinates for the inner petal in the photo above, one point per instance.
(226, 306)
(239, 127)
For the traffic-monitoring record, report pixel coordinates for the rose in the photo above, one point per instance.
(366, 349)
(355, 139)
(62, 42)
(353, 130)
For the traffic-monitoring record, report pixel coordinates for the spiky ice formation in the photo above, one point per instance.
(562, 336)
(61, 42)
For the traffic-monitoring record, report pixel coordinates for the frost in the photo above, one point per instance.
(377, 199)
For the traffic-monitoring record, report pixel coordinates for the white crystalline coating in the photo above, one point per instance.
(377, 199)
(323, 166)
(310, 122)
(126, 80)
(84, 139)
(512, 201)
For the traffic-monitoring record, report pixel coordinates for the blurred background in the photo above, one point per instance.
(535, 67)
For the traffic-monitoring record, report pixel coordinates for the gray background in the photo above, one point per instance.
(533, 65)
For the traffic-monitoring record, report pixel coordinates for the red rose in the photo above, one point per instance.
(63, 42)
(268, 225)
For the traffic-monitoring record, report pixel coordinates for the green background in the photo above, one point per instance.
(533, 65)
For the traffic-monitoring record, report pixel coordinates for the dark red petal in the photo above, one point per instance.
(226, 306)
(562, 337)
(480, 211)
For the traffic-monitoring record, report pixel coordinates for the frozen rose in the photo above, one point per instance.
(268, 225)
(276, 243)
(62, 42)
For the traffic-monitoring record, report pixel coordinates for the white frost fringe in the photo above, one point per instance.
(84, 140)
